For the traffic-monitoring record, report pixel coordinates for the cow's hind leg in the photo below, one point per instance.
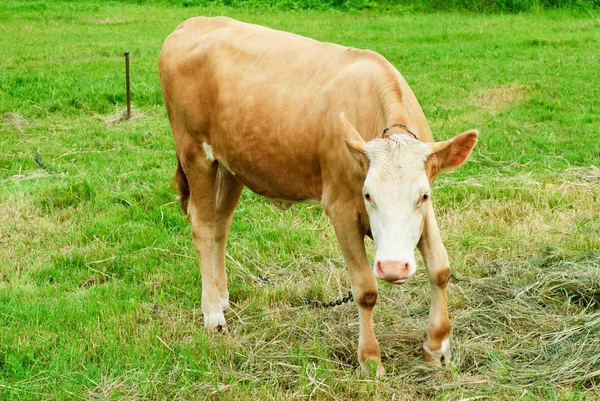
(229, 189)
(201, 174)
(436, 349)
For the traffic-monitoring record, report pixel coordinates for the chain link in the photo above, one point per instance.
(317, 304)
(39, 163)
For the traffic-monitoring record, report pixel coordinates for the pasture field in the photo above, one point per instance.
(99, 282)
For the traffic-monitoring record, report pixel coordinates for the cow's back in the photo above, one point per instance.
(245, 66)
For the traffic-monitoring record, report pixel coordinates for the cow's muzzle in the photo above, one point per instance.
(396, 272)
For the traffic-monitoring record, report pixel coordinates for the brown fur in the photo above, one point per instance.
(432, 167)
(454, 152)
(370, 350)
(368, 299)
(442, 277)
(438, 334)
(183, 187)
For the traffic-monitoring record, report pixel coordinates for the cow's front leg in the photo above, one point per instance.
(364, 286)
(436, 349)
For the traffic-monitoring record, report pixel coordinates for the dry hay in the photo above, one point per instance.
(500, 99)
(523, 326)
(120, 116)
(537, 323)
(14, 121)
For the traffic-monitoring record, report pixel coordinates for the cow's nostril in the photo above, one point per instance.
(406, 267)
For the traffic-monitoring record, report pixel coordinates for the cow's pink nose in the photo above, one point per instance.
(394, 271)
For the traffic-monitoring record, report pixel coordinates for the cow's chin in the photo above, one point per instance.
(395, 280)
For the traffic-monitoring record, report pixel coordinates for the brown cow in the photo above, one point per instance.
(296, 120)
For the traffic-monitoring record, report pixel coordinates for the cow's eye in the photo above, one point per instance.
(425, 198)
(368, 197)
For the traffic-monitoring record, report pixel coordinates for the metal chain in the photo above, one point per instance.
(39, 163)
(317, 304)
(404, 127)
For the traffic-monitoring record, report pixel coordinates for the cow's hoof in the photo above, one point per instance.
(440, 357)
(372, 369)
(215, 320)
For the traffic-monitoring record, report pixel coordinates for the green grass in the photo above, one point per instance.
(99, 283)
(486, 6)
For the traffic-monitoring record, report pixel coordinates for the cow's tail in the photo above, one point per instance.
(182, 186)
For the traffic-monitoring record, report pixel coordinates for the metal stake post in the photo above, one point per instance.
(127, 84)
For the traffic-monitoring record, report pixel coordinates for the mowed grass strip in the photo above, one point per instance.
(99, 283)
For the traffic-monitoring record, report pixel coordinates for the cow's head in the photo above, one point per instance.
(397, 191)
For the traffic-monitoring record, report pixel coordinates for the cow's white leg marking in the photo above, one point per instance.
(214, 319)
(209, 153)
(442, 352)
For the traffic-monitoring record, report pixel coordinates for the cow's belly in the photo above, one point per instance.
(284, 181)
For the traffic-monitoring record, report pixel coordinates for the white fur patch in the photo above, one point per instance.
(445, 346)
(214, 319)
(209, 153)
(442, 351)
(398, 151)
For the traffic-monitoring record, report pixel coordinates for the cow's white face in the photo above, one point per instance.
(396, 193)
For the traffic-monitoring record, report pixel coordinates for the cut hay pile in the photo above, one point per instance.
(524, 327)
(535, 323)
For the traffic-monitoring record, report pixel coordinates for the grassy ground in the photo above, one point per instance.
(99, 283)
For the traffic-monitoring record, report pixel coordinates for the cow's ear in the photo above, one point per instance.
(454, 152)
(351, 136)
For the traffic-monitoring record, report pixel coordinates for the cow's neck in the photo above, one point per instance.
(388, 111)
(393, 107)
